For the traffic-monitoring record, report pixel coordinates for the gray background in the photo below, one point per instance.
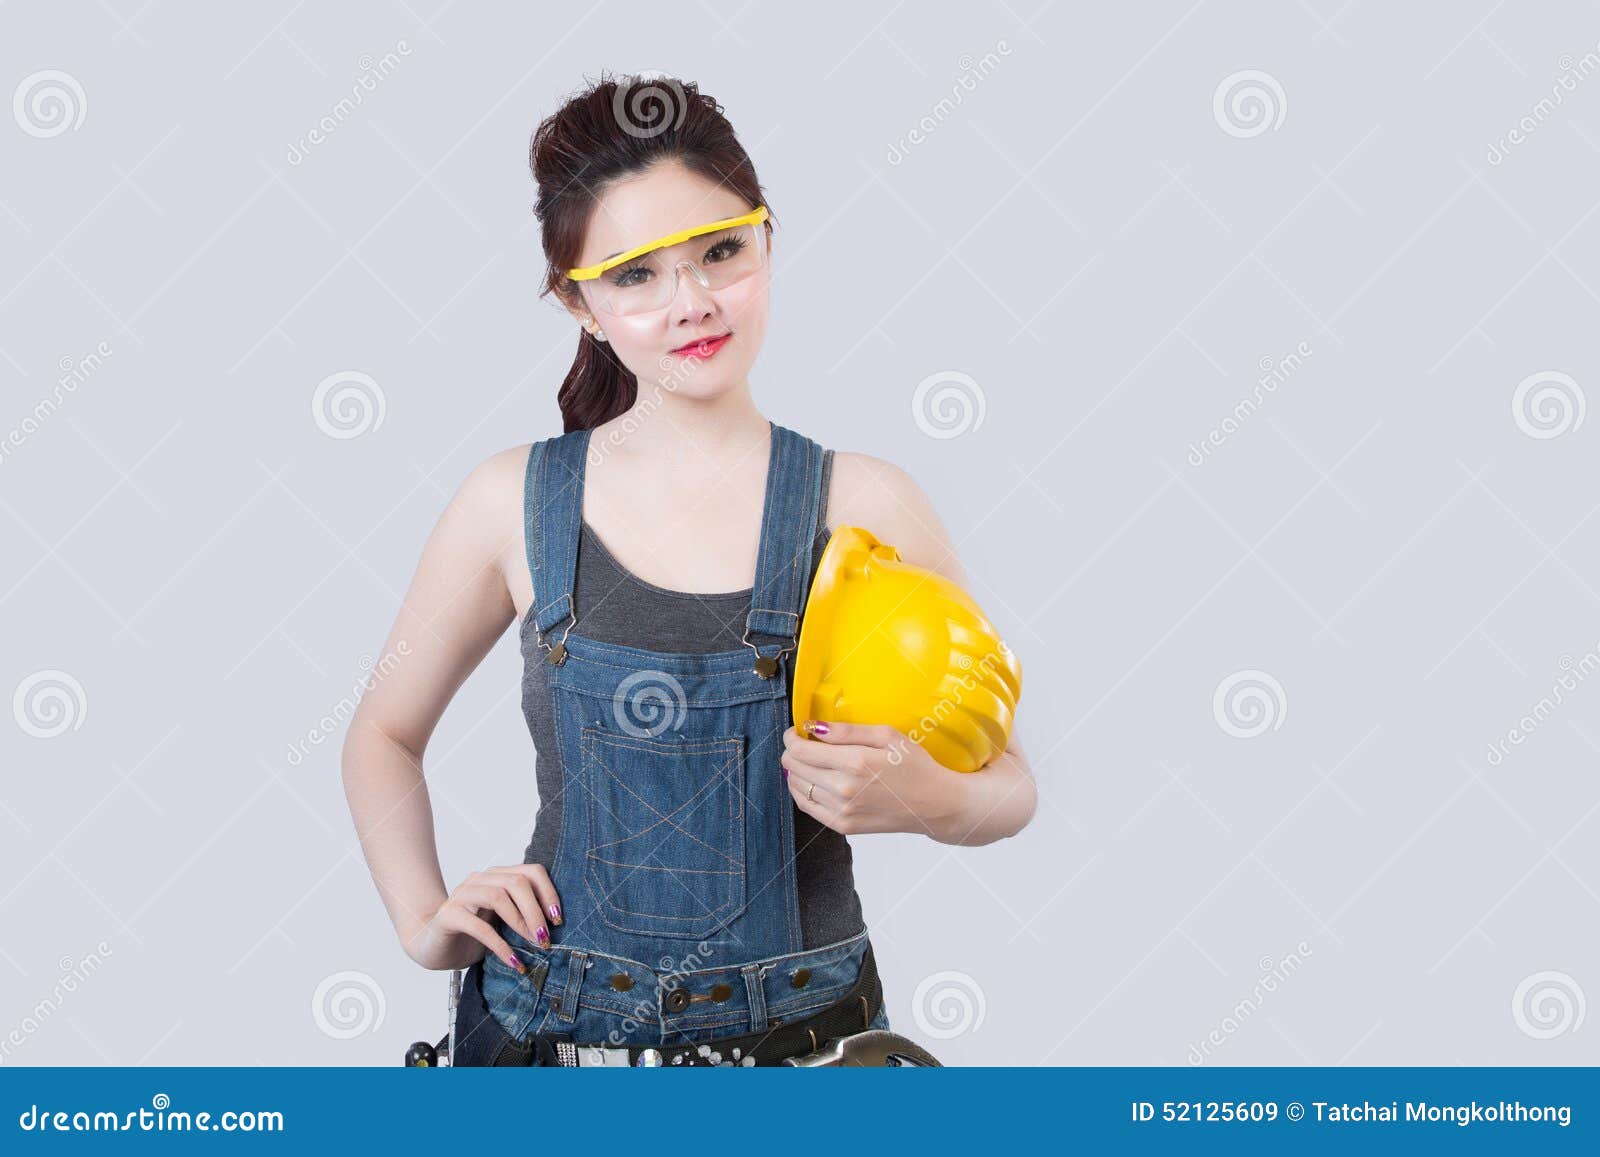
(1086, 240)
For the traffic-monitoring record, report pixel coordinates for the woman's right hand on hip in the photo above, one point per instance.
(457, 934)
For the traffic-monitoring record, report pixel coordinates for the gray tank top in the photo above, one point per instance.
(615, 606)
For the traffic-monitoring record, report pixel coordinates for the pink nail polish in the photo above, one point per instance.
(786, 773)
(511, 959)
(555, 913)
(818, 727)
(542, 935)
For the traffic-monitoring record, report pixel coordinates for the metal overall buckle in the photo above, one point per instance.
(557, 655)
(766, 665)
(877, 1047)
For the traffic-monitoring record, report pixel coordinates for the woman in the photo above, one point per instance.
(687, 896)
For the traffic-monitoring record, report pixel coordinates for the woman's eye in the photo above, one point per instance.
(725, 249)
(627, 278)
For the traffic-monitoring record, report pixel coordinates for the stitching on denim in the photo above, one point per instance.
(598, 1000)
(530, 527)
(815, 957)
(710, 663)
(562, 576)
(648, 923)
(707, 915)
(519, 1026)
(659, 868)
(792, 588)
(644, 743)
(541, 497)
(801, 450)
(571, 987)
(775, 688)
(593, 739)
(729, 677)
(770, 529)
(683, 1028)
(755, 994)
(778, 614)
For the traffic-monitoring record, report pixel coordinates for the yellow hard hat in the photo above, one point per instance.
(883, 641)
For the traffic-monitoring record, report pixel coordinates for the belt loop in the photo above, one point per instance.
(567, 1009)
(758, 997)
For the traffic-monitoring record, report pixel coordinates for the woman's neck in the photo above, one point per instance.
(676, 430)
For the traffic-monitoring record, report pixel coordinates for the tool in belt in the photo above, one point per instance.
(833, 1036)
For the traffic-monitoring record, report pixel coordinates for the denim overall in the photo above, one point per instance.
(676, 864)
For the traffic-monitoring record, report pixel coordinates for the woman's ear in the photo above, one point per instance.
(575, 306)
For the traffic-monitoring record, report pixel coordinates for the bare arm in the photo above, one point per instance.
(1000, 800)
(455, 609)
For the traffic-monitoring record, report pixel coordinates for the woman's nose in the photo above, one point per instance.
(691, 300)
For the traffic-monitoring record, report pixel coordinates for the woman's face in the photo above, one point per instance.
(632, 212)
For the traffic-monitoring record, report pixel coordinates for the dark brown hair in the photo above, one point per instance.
(616, 128)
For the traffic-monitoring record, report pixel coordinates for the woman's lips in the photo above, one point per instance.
(703, 349)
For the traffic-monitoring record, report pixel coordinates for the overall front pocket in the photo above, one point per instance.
(666, 847)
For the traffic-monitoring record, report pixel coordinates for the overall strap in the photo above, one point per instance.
(788, 530)
(552, 520)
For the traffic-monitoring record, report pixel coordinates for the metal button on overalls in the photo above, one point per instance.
(676, 999)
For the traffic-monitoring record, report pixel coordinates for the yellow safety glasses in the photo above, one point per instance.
(645, 277)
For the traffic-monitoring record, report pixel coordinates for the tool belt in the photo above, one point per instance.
(489, 1043)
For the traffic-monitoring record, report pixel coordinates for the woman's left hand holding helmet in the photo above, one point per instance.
(857, 778)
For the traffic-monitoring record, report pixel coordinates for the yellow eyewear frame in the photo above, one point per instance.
(590, 272)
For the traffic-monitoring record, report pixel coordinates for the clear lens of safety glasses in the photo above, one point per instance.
(650, 281)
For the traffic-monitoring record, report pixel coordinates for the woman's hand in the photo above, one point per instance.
(855, 777)
(877, 779)
(456, 935)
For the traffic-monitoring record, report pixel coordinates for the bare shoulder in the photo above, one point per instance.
(490, 499)
(494, 485)
(880, 497)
